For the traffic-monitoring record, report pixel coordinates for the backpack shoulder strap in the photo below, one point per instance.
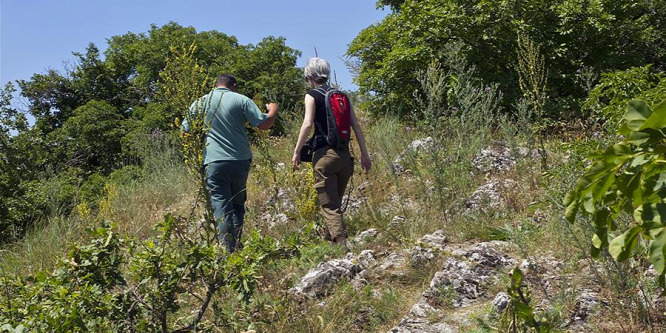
(321, 90)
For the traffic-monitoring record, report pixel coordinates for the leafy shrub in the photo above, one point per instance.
(608, 99)
(628, 182)
(126, 174)
(90, 290)
(92, 188)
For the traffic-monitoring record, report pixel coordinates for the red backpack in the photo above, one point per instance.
(338, 118)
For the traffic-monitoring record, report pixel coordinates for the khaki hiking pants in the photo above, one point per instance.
(332, 170)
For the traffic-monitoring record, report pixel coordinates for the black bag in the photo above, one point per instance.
(306, 151)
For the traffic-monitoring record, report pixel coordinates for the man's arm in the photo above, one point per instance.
(272, 115)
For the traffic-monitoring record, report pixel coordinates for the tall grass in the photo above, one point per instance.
(429, 194)
(137, 203)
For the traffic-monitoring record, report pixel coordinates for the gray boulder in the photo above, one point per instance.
(417, 147)
(489, 195)
(319, 281)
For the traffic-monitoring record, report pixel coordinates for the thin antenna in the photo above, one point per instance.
(335, 80)
(316, 55)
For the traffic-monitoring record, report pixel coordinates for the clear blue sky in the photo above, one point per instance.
(39, 35)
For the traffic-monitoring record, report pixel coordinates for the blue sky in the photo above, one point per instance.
(38, 35)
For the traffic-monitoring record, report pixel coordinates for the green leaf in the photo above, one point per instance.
(661, 181)
(660, 108)
(517, 277)
(622, 246)
(638, 138)
(602, 185)
(657, 120)
(596, 241)
(595, 252)
(619, 151)
(651, 229)
(651, 213)
(588, 203)
(658, 252)
(637, 112)
(639, 160)
(572, 206)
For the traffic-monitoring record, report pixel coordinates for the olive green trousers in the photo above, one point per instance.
(332, 170)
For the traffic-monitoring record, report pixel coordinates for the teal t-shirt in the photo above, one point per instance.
(226, 138)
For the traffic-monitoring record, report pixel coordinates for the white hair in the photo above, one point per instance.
(318, 69)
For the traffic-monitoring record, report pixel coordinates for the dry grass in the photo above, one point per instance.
(429, 196)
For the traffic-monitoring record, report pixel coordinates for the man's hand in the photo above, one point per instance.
(272, 115)
(272, 108)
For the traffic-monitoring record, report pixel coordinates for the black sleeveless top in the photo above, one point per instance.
(320, 116)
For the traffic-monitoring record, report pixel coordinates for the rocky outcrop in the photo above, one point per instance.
(495, 158)
(319, 281)
(490, 195)
(417, 147)
(498, 157)
(461, 282)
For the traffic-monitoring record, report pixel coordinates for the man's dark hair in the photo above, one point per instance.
(226, 80)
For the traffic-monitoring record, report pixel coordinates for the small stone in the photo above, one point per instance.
(397, 220)
(436, 240)
(366, 259)
(420, 256)
(366, 235)
(489, 195)
(425, 145)
(495, 158)
(317, 282)
(525, 265)
(501, 301)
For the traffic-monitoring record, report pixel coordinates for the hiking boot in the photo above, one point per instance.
(342, 240)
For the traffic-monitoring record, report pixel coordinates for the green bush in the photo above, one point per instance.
(627, 183)
(114, 285)
(608, 99)
(92, 188)
(126, 175)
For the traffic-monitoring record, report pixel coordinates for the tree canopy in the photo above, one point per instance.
(571, 34)
(87, 118)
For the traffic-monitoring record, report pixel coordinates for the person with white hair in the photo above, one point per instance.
(332, 166)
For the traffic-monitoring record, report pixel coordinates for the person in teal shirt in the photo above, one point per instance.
(227, 155)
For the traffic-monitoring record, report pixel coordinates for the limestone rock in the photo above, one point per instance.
(495, 158)
(490, 195)
(319, 281)
(501, 301)
(435, 240)
(420, 146)
(366, 236)
(465, 275)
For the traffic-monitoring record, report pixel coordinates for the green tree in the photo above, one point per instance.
(604, 34)
(91, 137)
(51, 99)
(608, 99)
(88, 118)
